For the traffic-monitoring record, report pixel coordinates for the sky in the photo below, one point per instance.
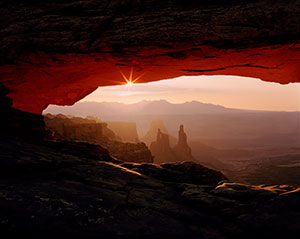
(229, 91)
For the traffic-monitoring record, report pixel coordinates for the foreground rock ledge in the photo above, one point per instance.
(48, 194)
(59, 52)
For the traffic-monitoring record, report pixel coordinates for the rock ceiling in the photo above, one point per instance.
(60, 51)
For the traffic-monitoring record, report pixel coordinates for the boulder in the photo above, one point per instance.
(243, 192)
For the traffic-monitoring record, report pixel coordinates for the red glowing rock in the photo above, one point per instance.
(60, 58)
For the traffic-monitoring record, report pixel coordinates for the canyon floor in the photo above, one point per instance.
(52, 189)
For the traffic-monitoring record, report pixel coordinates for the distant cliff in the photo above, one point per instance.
(125, 130)
(92, 130)
(71, 128)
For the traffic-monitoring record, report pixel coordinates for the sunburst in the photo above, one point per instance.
(129, 81)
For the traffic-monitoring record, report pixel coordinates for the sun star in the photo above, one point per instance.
(129, 81)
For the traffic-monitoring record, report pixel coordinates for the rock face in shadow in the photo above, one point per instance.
(180, 172)
(48, 191)
(19, 124)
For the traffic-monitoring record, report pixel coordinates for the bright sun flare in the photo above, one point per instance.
(129, 81)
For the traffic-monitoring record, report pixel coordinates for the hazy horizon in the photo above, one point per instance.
(228, 91)
(207, 103)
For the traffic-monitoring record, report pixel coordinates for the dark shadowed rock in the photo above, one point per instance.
(49, 191)
(19, 124)
(182, 172)
(200, 195)
(128, 152)
(244, 192)
(81, 149)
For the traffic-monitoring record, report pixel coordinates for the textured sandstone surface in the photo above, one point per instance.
(60, 51)
(47, 191)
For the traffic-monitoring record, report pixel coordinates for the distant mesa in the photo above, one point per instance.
(92, 130)
(71, 128)
(163, 152)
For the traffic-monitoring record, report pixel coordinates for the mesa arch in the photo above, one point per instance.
(60, 52)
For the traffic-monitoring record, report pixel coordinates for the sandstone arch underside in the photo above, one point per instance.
(60, 51)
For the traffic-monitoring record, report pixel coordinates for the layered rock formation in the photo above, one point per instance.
(72, 128)
(163, 152)
(92, 130)
(62, 51)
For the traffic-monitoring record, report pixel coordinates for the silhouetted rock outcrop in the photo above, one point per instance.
(163, 152)
(161, 149)
(182, 149)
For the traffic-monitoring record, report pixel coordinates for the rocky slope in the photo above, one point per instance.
(46, 193)
(78, 190)
(128, 152)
